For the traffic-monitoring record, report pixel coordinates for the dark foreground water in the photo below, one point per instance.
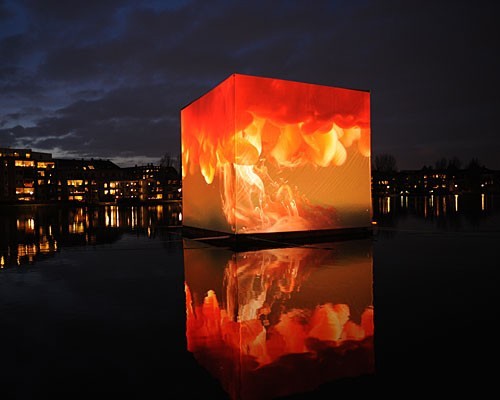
(112, 302)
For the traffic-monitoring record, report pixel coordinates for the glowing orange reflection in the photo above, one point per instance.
(268, 155)
(259, 319)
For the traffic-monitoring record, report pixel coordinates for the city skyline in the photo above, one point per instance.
(108, 79)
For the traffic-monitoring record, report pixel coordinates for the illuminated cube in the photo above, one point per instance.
(266, 155)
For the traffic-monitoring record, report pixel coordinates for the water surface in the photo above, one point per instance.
(93, 301)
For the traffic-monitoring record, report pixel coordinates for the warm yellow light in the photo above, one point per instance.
(45, 164)
(24, 163)
(74, 182)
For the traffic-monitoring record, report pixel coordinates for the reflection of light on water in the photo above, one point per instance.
(456, 202)
(280, 313)
(76, 227)
(28, 225)
(159, 211)
(112, 218)
(2, 262)
(115, 221)
(26, 250)
(482, 202)
(385, 205)
(134, 217)
(404, 201)
(44, 247)
(432, 200)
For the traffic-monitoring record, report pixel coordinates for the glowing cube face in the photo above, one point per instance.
(268, 155)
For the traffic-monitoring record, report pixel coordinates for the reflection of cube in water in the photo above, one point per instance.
(268, 155)
(275, 322)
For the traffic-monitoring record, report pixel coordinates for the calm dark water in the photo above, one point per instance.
(107, 301)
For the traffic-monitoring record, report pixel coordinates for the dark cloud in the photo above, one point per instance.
(108, 78)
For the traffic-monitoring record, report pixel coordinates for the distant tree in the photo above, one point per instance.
(454, 163)
(442, 163)
(166, 160)
(169, 160)
(474, 164)
(385, 163)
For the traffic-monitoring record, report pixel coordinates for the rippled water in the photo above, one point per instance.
(112, 300)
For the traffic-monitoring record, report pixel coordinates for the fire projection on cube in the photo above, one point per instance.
(267, 155)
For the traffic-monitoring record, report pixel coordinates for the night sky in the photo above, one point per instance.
(107, 79)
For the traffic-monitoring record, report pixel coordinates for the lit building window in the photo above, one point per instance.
(45, 164)
(24, 163)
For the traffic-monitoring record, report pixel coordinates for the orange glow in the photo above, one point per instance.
(268, 155)
(24, 163)
(269, 315)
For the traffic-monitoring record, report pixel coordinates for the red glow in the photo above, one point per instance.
(256, 321)
(281, 156)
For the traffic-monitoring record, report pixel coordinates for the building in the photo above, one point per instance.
(86, 181)
(28, 176)
(436, 181)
